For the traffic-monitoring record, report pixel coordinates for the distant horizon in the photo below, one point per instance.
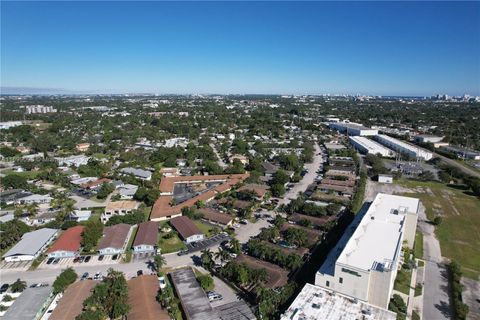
(366, 48)
(59, 91)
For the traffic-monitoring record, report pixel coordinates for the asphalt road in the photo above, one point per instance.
(307, 180)
(454, 163)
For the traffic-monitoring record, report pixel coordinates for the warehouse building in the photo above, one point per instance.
(363, 265)
(353, 129)
(365, 145)
(321, 304)
(403, 147)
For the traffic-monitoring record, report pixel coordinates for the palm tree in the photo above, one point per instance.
(18, 286)
(222, 255)
(32, 209)
(159, 262)
(235, 245)
(207, 258)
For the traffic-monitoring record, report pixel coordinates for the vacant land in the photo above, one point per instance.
(459, 233)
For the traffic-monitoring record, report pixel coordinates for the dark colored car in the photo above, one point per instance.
(87, 258)
(50, 260)
(100, 257)
(57, 260)
(115, 257)
(76, 259)
(4, 287)
(140, 273)
(85, 276)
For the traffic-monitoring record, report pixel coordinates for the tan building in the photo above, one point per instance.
(121, 208)
(82, 147)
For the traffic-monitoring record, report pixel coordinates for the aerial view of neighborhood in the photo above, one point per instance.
(275, 194)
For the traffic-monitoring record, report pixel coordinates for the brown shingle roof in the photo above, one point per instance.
(346, 183)
(71, 304)
(95, 183)
(147, 233)
(260, 190)
(142, 292)
(216, 216)
(70, 240)
(185, 227)
(114, 236)
(317, 221)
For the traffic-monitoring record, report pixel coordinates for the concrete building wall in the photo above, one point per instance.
(380, 288)
(347, 280)
(410, 228)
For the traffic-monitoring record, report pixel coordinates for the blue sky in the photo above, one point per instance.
(387, 48)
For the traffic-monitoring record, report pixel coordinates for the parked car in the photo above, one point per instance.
(182, 252)
(100, 257)
(84, 276)
(50, 260)
(87, 258)
(81, 259)
(214, 296)
(77, 259)
(243, 221)
(56, 261)
(139, 273)
(115, 257)
(4, 287)
(162, 283)
(98, 276)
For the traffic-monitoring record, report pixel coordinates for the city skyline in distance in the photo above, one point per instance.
(404, 49)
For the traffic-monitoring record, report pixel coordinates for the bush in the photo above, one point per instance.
(437, 220)
(206, 282)
(64, 279)
(459, 307)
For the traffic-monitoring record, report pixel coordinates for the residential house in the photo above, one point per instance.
(80, 215)
(68, 244)
(138, 173)
(188, 231)
(146, 238)
(30, 305)
(216, 217)
(127, 191)
(70, 304)
(82, 147)
(142, 293)
(121, 208)
(34, 198)
(115, 239)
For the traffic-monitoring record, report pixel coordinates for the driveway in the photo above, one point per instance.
(307, 180)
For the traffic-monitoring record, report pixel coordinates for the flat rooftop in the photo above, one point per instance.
(402, 144)
(368, 144)
(194, 300)
(350, 125)
(316, 303)
(28, 304)
(374, 237)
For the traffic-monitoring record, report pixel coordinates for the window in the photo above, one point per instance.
(328, 283)
(341, 280)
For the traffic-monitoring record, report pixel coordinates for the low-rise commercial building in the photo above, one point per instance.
(138, 173)
(353, 129)
(428, 139)
(403, 147)
(363, 265)
(115, 239)
(366, 145)
(318, 303)
(30, 305)
(463, 152)
(31, 245)
(68, 244)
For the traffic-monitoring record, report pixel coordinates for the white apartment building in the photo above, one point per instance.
(366, 145)
(363, 265)
(353, 129)
(403, 147)
(40, 109)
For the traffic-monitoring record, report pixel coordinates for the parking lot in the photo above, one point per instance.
(68, 262)
(20, 265)
(200, 245)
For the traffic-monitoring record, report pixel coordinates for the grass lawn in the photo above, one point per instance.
(173, 244)
(147, 211)
(418, 290)
(402, 282)
(418, 248)
(30, 175)
(459, 233)
(204, 227)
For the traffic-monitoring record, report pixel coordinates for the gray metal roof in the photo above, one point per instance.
(137, 172)
(28, 304)
(31, 242)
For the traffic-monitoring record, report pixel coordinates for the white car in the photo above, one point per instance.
(162, 282)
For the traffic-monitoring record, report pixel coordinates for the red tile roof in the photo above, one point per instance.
(114, 236)
(69, 240)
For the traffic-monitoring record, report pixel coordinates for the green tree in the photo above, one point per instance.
(105, 190)
(207, 258)
(91, 234)
(159, 261)
(206, 282)
(64, 279)
(8, 152)
(14, 181)
(18, 286)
